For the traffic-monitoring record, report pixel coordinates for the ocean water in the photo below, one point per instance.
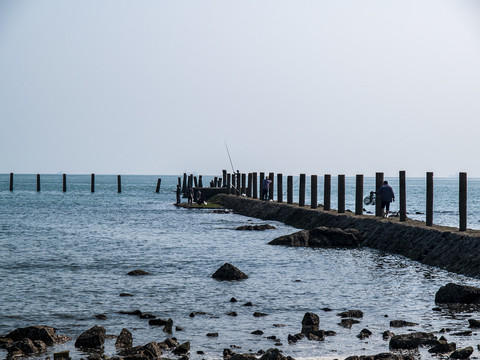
(64, 259)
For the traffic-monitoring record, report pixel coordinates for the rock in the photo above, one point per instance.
(233, 313)
(463, 333)
(257, 332)
(138, 272)
(259, 314)
(5, 343)
(229, 272)
(125, 295)
(387, 335)
(318, 335)
(474, 323)
(61, 355)
(93, 338)
(442, 347)
(42, 333)
(178, 328)
(124, 340)
(182, 349)
(364, 334)
(321, 237)
(410, 341)
(242, 357)
(462, 353)
(330, 333)
(310, 323)
(383, 356)
(147, 316)
(101, 317)
(278, 325)
(27, 347)
(273, 354)
(150, 351)
(351, 314)
(160, 322)
(326, 309)
(233, 300)
(212, 334)
(347, 323)
(401, 323)
(294, 338)
(134, 312)
(256, 227)
(248, 304)
(457, 294)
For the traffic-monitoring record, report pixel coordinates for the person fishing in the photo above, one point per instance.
(386, 194)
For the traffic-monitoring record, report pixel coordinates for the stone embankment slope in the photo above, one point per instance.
(444, 247)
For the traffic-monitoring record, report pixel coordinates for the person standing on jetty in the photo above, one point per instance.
(387, 196)
(265, 187)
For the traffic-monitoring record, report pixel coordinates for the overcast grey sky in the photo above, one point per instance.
(156, 87)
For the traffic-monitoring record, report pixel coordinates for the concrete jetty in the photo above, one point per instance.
(440, 246)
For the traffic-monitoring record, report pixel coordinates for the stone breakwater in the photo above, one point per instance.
(440, 246)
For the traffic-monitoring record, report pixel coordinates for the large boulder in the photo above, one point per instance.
(273, 354)
(410, 341)
(150, 351)
(324, 237)
(462, 353)
(229, 272)
(310, 323)
(93, 338)
(124, 340)
(46, 334)
(458, 294)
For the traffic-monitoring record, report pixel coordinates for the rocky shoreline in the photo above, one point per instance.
(439, 246)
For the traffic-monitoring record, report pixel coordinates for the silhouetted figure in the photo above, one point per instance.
(265, 188)
(387, 196)
(190, 196)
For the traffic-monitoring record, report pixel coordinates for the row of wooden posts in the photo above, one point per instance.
(237, 183)
(92, 183)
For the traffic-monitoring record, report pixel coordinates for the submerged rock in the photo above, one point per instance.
(138, 272)
(321, 237)
(347, 323)
(42, 333)
(229, 272)
(256, 227)
(351, 314)
(382, 356)
(457, 294)
(401, 323)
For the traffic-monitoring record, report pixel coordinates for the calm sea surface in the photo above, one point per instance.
(64, 259)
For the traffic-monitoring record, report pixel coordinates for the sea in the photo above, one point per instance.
(64, 258)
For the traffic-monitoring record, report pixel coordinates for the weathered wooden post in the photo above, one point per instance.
(327, 190)
(229, 184)
(224, 174)
(378, 198)
(239, 186)
(233, 183)
(190, 181)
(159, 182)
(463, 201)
(219, 184)
(279, 188)
(215, 181)
(255, 185)
(184, 186)
(341, 194)
(301, 195)
(270, 190)
(195, 181)
(180, 181)
(38, 182)
(403, 195)
(200, 181)
(313, 191)
(260, 184)
(359, 195)
(289, 189)
(249, 185)
(92, 183)
(429, 217)
(244, 183)
(119, 183)
(11, 181)
(64, 182)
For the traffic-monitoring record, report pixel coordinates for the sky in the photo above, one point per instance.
(161, 87)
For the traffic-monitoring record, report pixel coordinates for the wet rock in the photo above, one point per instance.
(259, 314)
(27, 347)
(351, 314)
(326, 309)
(347, 323)
(318, 335)
(134, 312)
(364, 334)
(330, 333)
(462, 353)
(401, 323)
(410, 341)
(474, 323)
(5, 343)
(382, 356)
(229, 272)
(178, 328)
(166, 323)
(42, 333)
(125, 295)
(101, 317)
(241, 357)
(442, 347)
(273, 354)
(233, 300)
(248, 304)
(321, 237)
(257, 332)
(387, 335)
(457, 294)
(212, 334)
(256, 227)
(138, 272)
(310, 323)
(292, 339)
(147, 316)
(150, 351)
(182, 349)
(273, 337)
(61, 355)
(124, 340)
(232, 313)
(463, 333)
(93, 338)
(278, 325)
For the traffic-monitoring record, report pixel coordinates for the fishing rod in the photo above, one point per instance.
(228, 152)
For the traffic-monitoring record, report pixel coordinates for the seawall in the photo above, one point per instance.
(440, 246)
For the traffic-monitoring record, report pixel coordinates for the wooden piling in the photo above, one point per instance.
(378, 198)
(272, 184)
(234, 178)
(359, 195)
(429, 216)
(249, 185)
(184, 185)
(11, 181)
(260, 184)
(313, 191)
(289, 189)
(403, 195)
(244, 183)
(92, 183)
(190, 181)
(463, 201)
(224, 174)
(38, 182)
(327, 190)
(279, 188)
(254, 185)
(64, 180)
(229, 184)
(119, 183)
(301, 195)
(195, 181)
(341, 194)
(159, 182)
(200, 181)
